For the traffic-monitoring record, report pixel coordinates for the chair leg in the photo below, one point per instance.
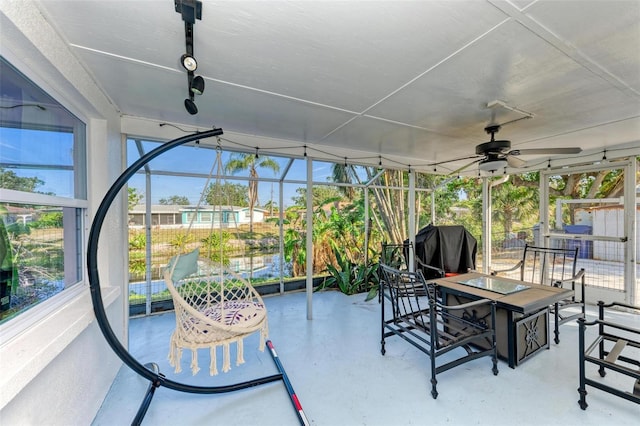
(582, 389)
(556, 330)
(583, 399)
(381, 300)
(494, 355)
(434, 382)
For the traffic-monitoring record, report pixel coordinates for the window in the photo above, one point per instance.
(42, 194)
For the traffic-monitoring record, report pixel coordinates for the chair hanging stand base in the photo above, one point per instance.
(282, 375)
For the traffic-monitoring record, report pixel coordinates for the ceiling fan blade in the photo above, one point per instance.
(539, 151)
(515, 162)
(466, 166)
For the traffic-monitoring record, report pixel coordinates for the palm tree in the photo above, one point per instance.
(239, 162)
(513, 203)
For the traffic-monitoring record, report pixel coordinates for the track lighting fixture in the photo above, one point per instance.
(189, 62)
(190, 11)
(190, 106)
(197, 85)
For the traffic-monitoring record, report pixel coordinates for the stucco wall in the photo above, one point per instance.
(56, 366)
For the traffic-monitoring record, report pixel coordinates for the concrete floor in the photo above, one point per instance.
(335, 367)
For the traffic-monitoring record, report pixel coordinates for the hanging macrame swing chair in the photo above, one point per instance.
(210, 312)
(214, 306)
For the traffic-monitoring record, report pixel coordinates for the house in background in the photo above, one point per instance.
(177, 216)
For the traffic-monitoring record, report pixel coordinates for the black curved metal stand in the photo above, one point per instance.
(150, 373)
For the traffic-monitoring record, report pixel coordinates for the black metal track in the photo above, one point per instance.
(155, 377)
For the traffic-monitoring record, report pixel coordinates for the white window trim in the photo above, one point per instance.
(37, 338)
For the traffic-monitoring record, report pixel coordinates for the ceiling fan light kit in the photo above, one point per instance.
(190, 11)
(490, 165)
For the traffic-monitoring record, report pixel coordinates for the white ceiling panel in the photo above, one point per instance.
(611, 52)
(407, 80)
(400, 141)
(344, 54)
(455, 94)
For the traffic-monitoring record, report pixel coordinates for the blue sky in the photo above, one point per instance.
(44, 151)
(188, 159)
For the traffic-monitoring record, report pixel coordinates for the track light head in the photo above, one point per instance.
(189, 62)
(190, 106)
(197, 85)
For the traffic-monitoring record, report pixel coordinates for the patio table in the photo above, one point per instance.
(522, 315)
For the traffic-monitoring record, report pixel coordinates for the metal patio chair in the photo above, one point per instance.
(434, 328)
(556, 267)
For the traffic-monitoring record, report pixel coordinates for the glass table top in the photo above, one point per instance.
(495, 284)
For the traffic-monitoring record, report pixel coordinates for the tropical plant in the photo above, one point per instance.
(134, 197)
(351, 278)
(250, 162)
(137, 263)
(10, 180)
(227, 193)
(181, 240)
(215, 247)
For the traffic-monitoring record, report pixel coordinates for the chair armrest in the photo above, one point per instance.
(465, 305)
(576, 277)
(499, 271)
(424, 265)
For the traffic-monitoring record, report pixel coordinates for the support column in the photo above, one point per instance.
(412, 218)
(630, 225)
(309, 238)
(486, 225)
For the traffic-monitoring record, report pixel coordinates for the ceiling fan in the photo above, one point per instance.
(497, 154)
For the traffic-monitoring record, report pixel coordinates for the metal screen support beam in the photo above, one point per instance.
(630, 226)
(486, 225)
(309, 238)
(543, 232)
(412, 218)
(148, 218)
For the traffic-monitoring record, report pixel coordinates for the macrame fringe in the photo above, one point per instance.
(175, 353)
(264, 333)
(213, 365)
(240, 351)
(194, 361)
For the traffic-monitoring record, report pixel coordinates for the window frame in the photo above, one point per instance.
(35, 313)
